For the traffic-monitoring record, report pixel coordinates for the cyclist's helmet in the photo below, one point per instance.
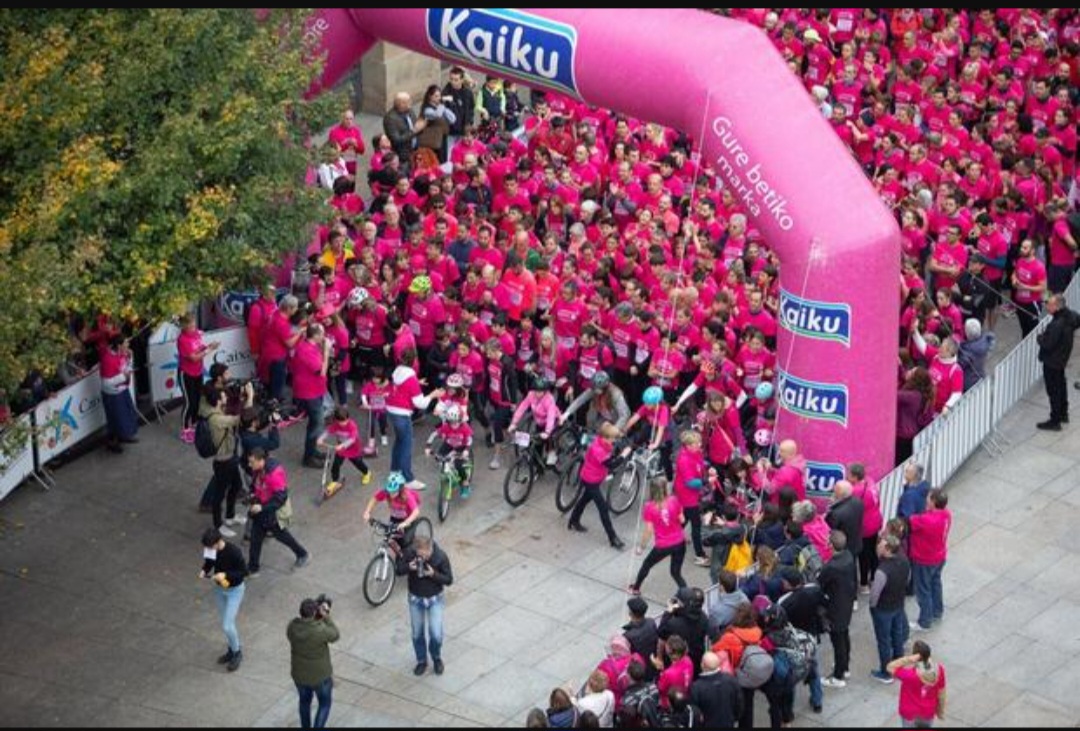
(452, 415)
(394, 482)
(764, 391)
(455, 380)
(357, 296)
(420, 284)
(653, 395)
(600, 380)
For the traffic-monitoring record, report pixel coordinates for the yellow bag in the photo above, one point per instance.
(740, 557)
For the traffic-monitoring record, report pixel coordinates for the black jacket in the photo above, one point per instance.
(837, 581)
(643, 638)
(690, 623)
(804, 607)
(719, 698)
(462, 102)
(230, 561)
(846, 516)
(428, 586)
(398, 127)
(1056, 341)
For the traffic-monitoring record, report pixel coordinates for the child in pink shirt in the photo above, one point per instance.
(540, 402)
(347, 435)
(373, 395)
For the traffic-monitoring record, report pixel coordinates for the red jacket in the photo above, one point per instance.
(930, 536)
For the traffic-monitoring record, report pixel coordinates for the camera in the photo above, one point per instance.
(323, 601)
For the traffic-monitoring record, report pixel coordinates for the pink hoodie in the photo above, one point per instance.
(930, 536)
(544, 411)
(817, 530)
(872, 521)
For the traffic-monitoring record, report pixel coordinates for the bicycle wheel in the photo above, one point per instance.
(379, 578)
(446, 492)
(623, 489)
(519, 480)
(424, 529)
(569, 489)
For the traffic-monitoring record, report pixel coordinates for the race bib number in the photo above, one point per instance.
(415, 327)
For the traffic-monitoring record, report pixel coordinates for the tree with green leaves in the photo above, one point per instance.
(148, 159)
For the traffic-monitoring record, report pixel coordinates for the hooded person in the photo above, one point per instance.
(973, 352)
(619, 657)
(685, 617)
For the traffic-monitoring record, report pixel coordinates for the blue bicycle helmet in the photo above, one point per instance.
(652, 396)
(394, 482)
(764, 391)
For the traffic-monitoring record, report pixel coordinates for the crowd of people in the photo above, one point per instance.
(523, 265)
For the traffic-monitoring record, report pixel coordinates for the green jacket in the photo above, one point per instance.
(310, 640)
(222, 429)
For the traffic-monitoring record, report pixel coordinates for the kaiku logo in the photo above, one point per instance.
(822, 401)
(818, 320)
(507, 42)
(821, 478)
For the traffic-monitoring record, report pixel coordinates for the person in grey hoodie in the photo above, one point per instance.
(722, 611)
(973, 352)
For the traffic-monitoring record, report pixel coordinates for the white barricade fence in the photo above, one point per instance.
(20, 463)
(962, 430)
(1016, 373)
(234, 350)
(69, 417)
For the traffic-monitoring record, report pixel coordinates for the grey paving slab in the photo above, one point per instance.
(514, 687)
(1022, 663)
(1033, 711)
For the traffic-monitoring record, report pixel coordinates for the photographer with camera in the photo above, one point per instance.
(310, 636)
(429, 573)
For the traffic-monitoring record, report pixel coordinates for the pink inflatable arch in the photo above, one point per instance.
(724, 83)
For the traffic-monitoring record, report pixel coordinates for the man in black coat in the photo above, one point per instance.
(1055, 347)
(402, 127)
(641, 633)
(840, 586)
(686, 618)
(803, 603)
(717, 695)
(459, 97)
(846, 515)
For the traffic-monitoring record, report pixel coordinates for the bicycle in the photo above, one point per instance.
(623, 491)
(449, 481)
(530, 463)
(569, 489)
(381, 572)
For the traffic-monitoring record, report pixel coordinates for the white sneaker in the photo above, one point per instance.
(831, 682)
(552, 459)
(916, 627)
(227, 532)
(416, 485)
(494, 464)
(384, 440)
(847, 675)
(855, 606)
(238, 520)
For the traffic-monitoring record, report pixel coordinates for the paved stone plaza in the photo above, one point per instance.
(104, 622)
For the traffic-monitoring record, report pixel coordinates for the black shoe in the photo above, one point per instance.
(132, 440)
(234, 663)
(816, 709)
(1049, 425)
(617, 543)
(577, 527)
(420, 669)
(438, 667)
(489, 440)
(226, 658)
(114, 447)
(252, 573)
(1065, 419)
(302, 561)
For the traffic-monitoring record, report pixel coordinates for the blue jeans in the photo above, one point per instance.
(928, 592)
(228, 603)
(891, 632)
(278, 372)
(313, 407)
(324, 691)
(817, 694)
(401, 454)
(429, 610)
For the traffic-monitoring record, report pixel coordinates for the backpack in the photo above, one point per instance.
(808, 563)
(204, 439)
(795, 652)
(740, 557)
(755, 667)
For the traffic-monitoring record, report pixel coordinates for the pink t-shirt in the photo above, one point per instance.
(948, 379)
(306, 367)
(343, 433)
(664, 519)
(278, 331)
(690, 465)
(1031, 272)
(917, 699)
(424, 316)
(189, 343)
(401, 505)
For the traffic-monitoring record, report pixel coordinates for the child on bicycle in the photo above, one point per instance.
(456, 436)
(404, 505)
(655, 417)
(373, 395)
(454, 395)
(347, 434)
(540, 402)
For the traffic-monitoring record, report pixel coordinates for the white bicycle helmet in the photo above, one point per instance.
(357, 296)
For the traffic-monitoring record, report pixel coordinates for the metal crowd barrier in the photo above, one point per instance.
(943, 446)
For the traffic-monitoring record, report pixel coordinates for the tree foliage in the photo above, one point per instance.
(148, 159)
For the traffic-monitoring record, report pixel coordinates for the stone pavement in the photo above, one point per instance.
(103, 621)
